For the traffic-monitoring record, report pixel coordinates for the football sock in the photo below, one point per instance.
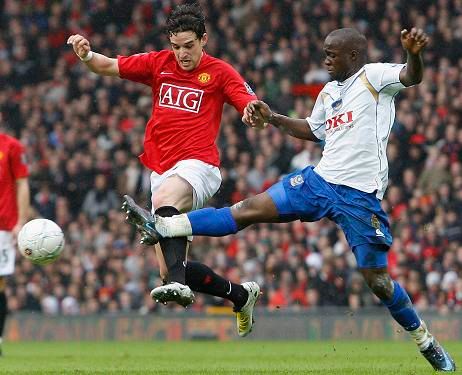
(3, 312)
(174, 249)
(421, 336)
(402, 310)
(202, 279)
(206, 221)
(212, 222)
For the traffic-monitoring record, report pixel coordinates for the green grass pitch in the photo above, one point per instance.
(215, 358)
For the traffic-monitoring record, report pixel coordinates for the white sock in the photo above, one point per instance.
(421, 336)
(174, 226)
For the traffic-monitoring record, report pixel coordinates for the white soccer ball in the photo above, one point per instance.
(41, 241)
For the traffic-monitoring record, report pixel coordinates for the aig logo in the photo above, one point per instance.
(182, 98)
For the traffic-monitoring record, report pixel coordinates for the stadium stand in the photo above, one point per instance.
(83, 134)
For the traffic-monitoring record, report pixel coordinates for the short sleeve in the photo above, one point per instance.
(237, 92)
(137, 68)
(385, 76)
(317, 119)
(18, 161)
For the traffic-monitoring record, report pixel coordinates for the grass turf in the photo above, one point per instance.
(237, 357)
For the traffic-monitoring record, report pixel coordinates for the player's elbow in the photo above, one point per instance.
(411, 79)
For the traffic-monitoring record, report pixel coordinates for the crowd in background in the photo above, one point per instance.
(83, 133)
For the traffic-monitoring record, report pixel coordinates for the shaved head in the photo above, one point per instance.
(349, 39)
(346, 52)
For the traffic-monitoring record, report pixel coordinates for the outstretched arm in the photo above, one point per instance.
(413, 42)
(258, 113)
(96, 62)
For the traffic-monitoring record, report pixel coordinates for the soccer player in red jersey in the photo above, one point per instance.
(189, 89)
(14, 210)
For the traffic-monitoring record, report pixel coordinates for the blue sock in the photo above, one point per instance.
(402, 310)
(212, 222)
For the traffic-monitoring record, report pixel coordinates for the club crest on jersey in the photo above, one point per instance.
(337, 104)
(296, 180)
(204, 77)
(181, 98)
(376, 224)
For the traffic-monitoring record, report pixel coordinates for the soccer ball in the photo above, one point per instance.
(41, 241)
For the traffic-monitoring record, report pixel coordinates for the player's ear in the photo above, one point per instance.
(354, 55)
(204, 39)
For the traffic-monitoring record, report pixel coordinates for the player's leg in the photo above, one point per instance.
(7, 260)
(205, 181)
(372, 262)
(222, 221)
(163, 270)
(199, 277)
(367, 230)
(203, 279)
(3, 309)
(271, 206)
(174, 195)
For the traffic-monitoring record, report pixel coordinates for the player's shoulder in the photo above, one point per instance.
(9, 141)
(8, 138)
(329, 87)
(217, 63)
(156, 55)
(380, 66)
(163, 54)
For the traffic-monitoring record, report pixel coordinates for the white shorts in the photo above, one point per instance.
(7, 253)
(204, 178)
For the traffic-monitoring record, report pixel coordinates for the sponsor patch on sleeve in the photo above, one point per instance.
(248, 88)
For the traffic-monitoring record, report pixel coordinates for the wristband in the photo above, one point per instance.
(270, 118)
(88, 57)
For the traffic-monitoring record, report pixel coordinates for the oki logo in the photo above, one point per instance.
(342, 119)
(182, 98)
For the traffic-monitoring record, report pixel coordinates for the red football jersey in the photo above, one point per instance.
(186, 105)
(12, 167)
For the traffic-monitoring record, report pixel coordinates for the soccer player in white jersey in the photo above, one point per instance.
(353, 114)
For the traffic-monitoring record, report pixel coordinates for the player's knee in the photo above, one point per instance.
(381, 285)
(246, 212)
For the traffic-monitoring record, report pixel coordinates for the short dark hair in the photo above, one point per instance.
(187, 17)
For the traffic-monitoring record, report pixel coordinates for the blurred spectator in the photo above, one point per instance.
(100, 199)
(83, 134)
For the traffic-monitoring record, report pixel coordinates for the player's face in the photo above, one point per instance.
(187, 48)
(336, 61)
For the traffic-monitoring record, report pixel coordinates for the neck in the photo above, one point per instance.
(199, 61)
(350, 73)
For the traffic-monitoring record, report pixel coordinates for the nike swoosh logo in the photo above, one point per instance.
(163, 73)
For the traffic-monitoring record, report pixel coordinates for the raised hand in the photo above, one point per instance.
(80, 44)
(414, 41)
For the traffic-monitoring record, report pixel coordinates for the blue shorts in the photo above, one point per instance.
(306, 196)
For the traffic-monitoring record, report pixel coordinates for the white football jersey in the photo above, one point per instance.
(355, 117)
